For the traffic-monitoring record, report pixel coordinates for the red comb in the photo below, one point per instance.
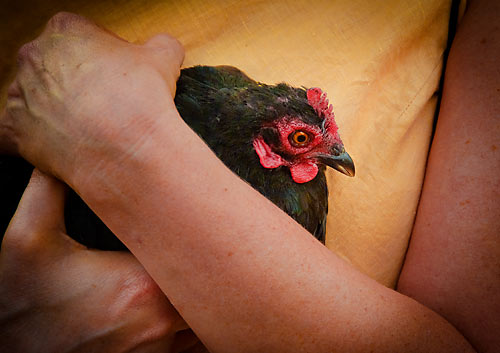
(317, 99)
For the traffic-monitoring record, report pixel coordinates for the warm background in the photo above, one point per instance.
(380, 62)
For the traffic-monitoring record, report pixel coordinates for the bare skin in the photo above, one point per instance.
(261, 293)
(72, 305)
(453, 263)
(64, 301)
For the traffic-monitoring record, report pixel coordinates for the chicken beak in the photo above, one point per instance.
(338, 161)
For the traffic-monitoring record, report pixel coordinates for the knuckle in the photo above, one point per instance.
(27, 52)
(63, 21)
(66, 22)
(165, 43)
(14, 90)
(164, 326)
(20, 241)
(141, 288)
(137, 291)
(163, 40)
(168, 321)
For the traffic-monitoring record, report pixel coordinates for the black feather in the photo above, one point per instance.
(227, 109)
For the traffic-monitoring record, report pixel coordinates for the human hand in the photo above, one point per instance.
(78, 87)
(58, 296)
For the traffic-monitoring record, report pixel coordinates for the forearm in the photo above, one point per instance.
(453, 260)
(241, 272)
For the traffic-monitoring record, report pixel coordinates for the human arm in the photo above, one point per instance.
(453, 264)
(58, 296)
(259, 282)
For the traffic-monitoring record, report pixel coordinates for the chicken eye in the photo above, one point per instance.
(299, 138)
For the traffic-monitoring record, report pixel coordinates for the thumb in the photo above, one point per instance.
(38, 223)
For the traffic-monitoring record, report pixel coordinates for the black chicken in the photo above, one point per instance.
(277, 138)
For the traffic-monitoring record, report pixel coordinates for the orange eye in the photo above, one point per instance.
(299, 138)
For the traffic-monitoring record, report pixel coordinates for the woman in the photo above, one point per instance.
(259, 293)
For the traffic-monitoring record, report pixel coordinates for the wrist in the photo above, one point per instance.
(123, 166)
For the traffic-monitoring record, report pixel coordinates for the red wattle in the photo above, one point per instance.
(304, 172)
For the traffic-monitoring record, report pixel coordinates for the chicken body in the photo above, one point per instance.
(276, 137)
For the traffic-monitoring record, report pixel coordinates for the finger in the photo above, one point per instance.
(29, 53)
(184, 340)
(70, 25)
(69, 34)
(168, 46)
(66, 22)
(167, 55)
(8, 143)
(39, 218)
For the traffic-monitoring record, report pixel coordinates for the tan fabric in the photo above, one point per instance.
(380, 62)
